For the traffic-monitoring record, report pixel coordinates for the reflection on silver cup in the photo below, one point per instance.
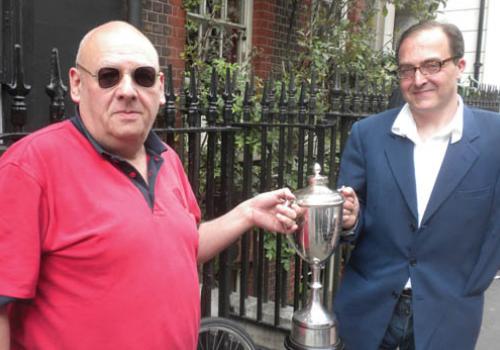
(318, 233)
(320, 226)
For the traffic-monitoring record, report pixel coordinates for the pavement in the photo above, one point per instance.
(489, 338)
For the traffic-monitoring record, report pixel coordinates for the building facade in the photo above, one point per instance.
(479, 24)
(236, 30)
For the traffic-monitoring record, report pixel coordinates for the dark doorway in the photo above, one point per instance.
(40, 26)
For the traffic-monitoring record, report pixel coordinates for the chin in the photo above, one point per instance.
(131, 134)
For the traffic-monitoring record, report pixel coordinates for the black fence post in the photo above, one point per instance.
(18, 90)
(56, 89)
(212, 114)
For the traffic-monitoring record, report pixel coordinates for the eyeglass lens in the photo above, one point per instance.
(109, 77)
(426, 68)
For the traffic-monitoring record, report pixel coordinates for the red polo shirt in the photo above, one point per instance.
(98, 267)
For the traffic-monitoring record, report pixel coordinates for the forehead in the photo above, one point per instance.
(424, 45)
(118, 48)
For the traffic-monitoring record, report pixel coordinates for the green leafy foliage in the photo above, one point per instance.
(419, 9)
(336, 36)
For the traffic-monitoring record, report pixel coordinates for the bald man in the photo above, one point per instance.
(99, 236)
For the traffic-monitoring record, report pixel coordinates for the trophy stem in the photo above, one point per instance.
(315, 285)
(314, 327)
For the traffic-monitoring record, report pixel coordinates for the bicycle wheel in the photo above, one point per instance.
(218, 333)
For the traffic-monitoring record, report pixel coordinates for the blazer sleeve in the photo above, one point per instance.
(489, 258)
(353, 170)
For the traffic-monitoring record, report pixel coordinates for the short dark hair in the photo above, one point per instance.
(454, 35)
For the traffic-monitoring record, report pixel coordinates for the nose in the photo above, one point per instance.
(419, 78)
(126, 88)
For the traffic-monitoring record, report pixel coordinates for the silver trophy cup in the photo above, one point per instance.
(320, 226)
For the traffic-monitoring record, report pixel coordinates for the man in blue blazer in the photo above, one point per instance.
(427, 178)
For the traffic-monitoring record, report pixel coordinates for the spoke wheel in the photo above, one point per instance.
(222, 334)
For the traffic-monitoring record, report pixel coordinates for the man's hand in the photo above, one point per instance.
(271, 211)
(4, 329)
(351, 208)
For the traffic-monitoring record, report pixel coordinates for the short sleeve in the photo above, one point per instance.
(21, 221)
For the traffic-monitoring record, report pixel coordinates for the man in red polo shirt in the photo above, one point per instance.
(99, 236)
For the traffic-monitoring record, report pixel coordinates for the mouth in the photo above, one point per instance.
(128, 114)
(422, 92)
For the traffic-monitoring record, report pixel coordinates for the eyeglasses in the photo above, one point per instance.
(428, 67)
(108, 77)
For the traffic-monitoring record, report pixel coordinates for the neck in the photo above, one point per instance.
(430, 122)
(137, 157)
(126, 150)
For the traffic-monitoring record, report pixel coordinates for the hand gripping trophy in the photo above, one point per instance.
(314, 327)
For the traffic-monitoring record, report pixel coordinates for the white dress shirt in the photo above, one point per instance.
(428, 154)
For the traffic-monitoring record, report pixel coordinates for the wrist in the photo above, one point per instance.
(245, 214)
(350, 231)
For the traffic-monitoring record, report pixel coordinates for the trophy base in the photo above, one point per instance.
(290, 344)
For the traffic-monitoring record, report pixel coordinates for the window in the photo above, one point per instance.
(219, 29)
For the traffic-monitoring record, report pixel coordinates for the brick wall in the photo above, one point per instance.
(163, 23)
(164, 20)
(271, 31)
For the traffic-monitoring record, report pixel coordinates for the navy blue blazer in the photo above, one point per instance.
(451, 258)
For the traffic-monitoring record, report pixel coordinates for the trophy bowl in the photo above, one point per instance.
(319, 230)
(320, 227)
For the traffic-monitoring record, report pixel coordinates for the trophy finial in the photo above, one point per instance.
(316, 169)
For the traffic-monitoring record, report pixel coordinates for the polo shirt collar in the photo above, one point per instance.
(153, 142)
(404, 125)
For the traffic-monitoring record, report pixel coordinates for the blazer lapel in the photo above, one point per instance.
(459, 158)
(399, 153)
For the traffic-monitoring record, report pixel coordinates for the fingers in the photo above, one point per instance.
(288, 225)
(284, 194)
(272, 198)
(287, 211)
(351, 207)
(347, 192)
(286, 215)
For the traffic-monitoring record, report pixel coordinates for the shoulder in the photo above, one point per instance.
(482, 114)
(486, 122)
(381, 122)
(38, 147)
(45, 137)
(173, 161)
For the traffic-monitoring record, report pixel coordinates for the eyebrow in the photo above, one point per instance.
(420, 62)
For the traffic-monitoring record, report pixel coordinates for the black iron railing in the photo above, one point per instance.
(272, 141)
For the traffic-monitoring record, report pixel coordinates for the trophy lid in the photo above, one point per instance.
(317, 194)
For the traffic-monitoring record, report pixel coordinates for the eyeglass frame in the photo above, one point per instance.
(419, 68)
(96, 75)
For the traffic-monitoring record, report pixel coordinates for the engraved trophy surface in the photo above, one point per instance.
(320, 226)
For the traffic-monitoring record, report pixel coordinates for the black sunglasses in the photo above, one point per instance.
(108, 77)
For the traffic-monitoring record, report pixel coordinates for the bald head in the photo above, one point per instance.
(118, 87)
(115, 36)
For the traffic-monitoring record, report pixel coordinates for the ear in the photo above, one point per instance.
(461, 65)
(161, 77)
(75, 84)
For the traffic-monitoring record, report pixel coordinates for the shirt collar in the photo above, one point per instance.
(404, 124)
(153, 143)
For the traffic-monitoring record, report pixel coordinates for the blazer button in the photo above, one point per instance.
(413, 262)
